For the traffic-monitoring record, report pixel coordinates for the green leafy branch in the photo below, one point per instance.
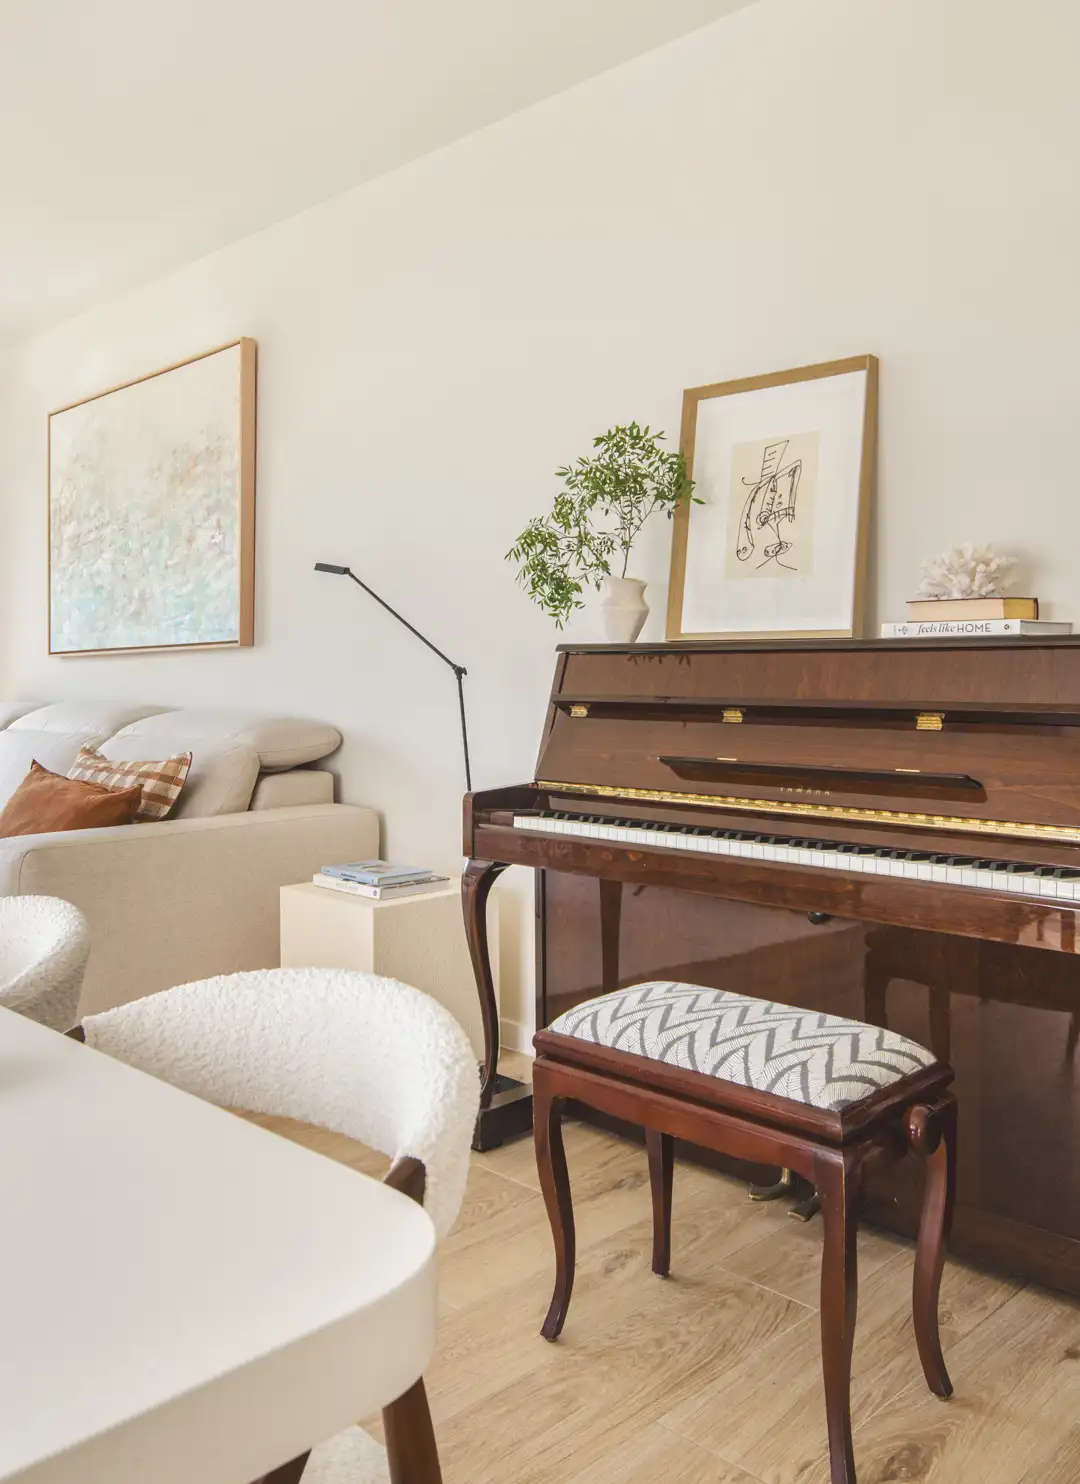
(606, 500)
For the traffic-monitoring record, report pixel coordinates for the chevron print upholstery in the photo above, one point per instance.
(822, 1060)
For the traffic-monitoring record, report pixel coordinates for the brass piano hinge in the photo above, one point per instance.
(732, 714)
(929, 721)
(579, 710)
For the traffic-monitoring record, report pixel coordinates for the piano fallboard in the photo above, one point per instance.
(885, 735)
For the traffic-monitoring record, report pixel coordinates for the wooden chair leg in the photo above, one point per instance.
(410, 1439)
(661, 1175)
(555, 1183)
(837, 1180)
(932, 1134)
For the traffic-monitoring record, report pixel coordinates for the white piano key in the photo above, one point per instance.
(1048, 888)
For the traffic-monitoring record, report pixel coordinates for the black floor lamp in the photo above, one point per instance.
(459, 670)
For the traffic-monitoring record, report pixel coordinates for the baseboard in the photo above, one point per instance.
(514, 1036)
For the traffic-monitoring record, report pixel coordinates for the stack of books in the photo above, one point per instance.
(950, 618)
(380, 880)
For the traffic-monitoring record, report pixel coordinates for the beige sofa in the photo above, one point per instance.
(198, 893)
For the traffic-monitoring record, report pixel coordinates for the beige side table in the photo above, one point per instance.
(419, 940)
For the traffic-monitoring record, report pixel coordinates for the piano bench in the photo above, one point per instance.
(827, 1097)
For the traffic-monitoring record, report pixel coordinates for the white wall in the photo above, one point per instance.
(798, 182)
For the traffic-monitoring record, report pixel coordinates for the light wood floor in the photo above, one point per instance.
(712, 1376)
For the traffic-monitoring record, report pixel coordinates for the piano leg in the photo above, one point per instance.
(505, 1104)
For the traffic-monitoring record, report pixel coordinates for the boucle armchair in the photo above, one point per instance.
(365, 1056)
(44, 945)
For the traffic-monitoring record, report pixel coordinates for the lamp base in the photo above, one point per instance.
(507, 1116)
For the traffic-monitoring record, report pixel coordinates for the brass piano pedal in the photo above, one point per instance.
(776, 1192)
(806, 1210)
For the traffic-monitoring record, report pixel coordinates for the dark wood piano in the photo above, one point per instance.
(889, 830)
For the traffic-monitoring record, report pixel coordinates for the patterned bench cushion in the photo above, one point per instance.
(823, 1060)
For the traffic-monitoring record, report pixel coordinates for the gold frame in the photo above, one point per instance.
(246, 575)
(692, 397)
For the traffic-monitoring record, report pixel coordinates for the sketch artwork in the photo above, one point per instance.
(770, 519)
(774, 541)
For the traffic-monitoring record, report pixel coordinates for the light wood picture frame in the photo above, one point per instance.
(151, 510)
(784, 466)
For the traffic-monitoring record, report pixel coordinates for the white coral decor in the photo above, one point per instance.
(966, 571)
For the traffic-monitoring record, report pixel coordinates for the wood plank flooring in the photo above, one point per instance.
(713, 1376)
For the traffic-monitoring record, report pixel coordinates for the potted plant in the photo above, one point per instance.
(594, 521)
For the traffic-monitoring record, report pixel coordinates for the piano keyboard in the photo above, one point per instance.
(1021, 877)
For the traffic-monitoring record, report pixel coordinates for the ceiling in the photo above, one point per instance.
(136, 135)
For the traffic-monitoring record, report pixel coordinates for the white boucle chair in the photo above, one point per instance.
(44, 946)
(365, 1056)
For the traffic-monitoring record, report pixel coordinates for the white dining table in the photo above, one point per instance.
(185, 1296)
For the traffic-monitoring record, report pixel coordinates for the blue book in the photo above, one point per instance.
(377, 873)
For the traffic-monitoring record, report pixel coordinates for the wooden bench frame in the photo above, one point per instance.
(834, 1150)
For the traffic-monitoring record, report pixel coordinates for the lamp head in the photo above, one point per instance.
(329, 567)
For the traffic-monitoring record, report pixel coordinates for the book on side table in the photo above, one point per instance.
(379, 880)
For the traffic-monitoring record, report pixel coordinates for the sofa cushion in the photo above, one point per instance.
(297, 786)
(46, 802)
(279, 741)
(221, 779)
(86, 721)
(11, 710)
(18, 750)
(159, 782)
(52, 735)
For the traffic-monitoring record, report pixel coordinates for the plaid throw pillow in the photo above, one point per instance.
(160, 782)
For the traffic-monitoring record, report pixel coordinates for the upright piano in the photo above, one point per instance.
(889, 830)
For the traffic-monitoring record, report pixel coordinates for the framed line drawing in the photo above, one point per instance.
(784, 468)
(151, 489)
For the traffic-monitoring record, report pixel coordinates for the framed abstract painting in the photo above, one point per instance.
(775, 543)
(152, 510)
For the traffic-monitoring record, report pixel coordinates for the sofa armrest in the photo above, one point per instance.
(186, 898)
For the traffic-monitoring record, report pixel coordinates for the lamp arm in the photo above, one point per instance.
(459, 670)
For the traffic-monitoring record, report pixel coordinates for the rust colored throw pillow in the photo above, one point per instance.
(160, 783)
(45, 802)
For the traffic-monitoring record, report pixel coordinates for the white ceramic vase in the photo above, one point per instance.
(624, 609)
